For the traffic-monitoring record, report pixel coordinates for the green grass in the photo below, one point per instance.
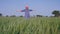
(19, 25)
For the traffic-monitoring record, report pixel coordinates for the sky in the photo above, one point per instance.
(40, 7)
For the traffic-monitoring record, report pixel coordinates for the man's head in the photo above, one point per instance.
(26, 7)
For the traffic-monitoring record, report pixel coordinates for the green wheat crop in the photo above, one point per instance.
(37, 25)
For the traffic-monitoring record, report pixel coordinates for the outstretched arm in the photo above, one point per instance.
(21, 10)
(30, 10)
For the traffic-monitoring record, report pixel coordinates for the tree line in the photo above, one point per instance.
(56, 13)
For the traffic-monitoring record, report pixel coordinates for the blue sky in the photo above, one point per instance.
(40, 7)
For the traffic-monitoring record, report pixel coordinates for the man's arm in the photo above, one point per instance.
(23, 10)
(30, 10)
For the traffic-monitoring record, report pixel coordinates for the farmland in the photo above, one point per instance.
(37, 25)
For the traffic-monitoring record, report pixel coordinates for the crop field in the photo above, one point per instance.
(36, 25)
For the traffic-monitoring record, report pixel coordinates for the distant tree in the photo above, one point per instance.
(51, 16)
(46, 16)
(13, 16)
(39, 15)
(0, 14)
(21, 16)
(56, 13)
(7, 16)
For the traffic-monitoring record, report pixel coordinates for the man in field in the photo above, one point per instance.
(26, 10)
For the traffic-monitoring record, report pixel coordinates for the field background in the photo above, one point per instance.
(36, 25)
